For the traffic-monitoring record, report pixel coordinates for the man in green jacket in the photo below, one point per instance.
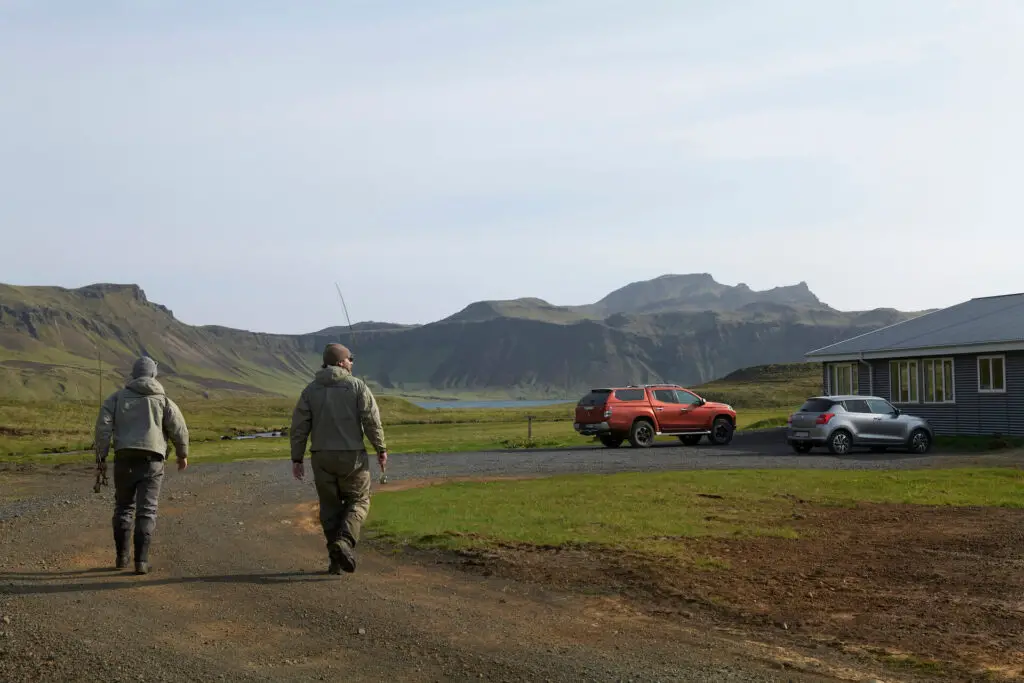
(333, 413)
(139, 419)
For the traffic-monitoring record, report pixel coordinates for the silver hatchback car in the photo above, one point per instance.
(842, 422)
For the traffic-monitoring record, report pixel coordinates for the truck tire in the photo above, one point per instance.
(611, 441)
(721, 431)
(641, 434)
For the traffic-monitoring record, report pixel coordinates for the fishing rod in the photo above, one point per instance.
(351, 334)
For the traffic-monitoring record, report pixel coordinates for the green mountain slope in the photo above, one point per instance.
(680, 328)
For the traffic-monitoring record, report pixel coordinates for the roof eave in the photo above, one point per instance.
(949, 350)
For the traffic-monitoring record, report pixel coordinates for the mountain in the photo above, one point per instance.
(682, 328)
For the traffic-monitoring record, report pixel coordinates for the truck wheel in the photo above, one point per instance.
(690, 439)
(641, 434)
(721, 431)
(611, 441)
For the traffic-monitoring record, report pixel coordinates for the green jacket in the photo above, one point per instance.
(333, 413)
(140, 416)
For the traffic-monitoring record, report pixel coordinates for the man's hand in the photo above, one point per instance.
(298, 470)
(382, 459)
(182, 464)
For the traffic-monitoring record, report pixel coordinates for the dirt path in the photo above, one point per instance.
(238, 593)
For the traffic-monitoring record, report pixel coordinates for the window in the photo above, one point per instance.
(842, 379)
(665, 396)
(629, 394)
(597, 397)
(991, 374)
(858, 406)
(816, 405)
(903, 381)
(686, 398)
(938, 380)
(880, 407)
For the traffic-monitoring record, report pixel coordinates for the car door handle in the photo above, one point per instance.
(877, 419)
(659, 409)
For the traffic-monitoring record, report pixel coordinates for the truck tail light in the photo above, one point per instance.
(789, 420)
(607, 412)
(824, 418)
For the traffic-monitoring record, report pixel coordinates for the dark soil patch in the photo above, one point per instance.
(936, 592)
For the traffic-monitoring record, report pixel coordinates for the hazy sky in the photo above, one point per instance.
(236, 158)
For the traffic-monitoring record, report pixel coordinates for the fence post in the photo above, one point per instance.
(529, 427)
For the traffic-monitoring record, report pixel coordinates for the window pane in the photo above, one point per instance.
(929, 380)
(854, 379)
(912, 379)
(879, 407)
(948, 369)
(665, 395)
(686, 398)
(816, 405)
(985, 373)
(857, 407)
(894, 382)
(998, 378)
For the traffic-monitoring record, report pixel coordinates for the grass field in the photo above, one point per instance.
(651, 512)
(28, 428)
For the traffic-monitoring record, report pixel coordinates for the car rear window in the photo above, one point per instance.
(816, 405)
(597, 397)
(629, 394)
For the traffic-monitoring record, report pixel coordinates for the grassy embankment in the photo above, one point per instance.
(651, 512)
(31, 428)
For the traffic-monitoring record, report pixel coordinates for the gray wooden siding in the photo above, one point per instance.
(973, 412)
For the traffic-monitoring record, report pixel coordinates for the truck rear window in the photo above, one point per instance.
(816, 405)
(597, 397)
(629, 394)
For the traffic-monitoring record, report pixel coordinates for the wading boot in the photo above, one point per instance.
(121, 543)
(141, 554)
(342, 557)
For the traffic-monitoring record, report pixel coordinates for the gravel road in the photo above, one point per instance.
(238, 590)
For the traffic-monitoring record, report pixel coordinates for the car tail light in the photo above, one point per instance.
(608, 412)
(789, 420)
(824, 418)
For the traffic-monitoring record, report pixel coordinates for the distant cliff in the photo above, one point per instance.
(681, 328)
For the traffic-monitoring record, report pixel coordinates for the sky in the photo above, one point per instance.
(237, 158)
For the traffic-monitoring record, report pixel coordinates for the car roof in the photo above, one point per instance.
(844, 397)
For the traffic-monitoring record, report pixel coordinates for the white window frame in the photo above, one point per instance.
(992, 389)
(937, 368)
(831, 368)
(894, 393)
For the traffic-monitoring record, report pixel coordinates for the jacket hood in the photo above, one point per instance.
(331, 375)
(147, 386)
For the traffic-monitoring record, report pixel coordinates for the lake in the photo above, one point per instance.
(488, 404)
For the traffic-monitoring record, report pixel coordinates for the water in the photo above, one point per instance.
(489, 404)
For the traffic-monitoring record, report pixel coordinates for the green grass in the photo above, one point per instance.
(651, 512)
(782, 386)
(57, 426)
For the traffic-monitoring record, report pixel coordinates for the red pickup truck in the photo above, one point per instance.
(640, 413)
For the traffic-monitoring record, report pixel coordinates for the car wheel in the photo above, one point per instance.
(690, 439)
(611, 441)
(840, 442)
(721, 431)
(641, 435)
(920, 442)
(802, 448)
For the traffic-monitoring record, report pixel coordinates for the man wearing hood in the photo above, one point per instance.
(334, 412)
(139, 420)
